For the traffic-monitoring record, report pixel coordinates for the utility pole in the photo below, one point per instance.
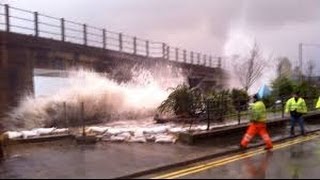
(301, 56)
(300, 62)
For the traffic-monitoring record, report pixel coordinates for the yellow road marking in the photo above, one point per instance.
(237, 157)
(229, 161)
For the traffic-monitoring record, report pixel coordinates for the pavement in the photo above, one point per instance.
(64, 158)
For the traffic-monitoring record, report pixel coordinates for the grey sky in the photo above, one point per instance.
(217, 27)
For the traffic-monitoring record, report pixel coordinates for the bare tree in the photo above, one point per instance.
(250, 70)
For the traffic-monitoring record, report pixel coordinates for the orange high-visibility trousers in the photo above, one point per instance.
(256, 128)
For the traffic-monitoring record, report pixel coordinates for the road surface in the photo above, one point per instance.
(295, 158)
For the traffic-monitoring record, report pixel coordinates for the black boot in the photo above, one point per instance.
(292, 132)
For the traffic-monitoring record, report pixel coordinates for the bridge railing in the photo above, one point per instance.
(22, 21)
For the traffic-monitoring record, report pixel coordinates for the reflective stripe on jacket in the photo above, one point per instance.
(293, 105)
(258, 112)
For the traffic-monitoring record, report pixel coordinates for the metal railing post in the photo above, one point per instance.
(85, 34)
(168, 52)
(104, 42)
(208, 112)
(65, 114)
(164, 51)
(82, 119)
(36, 24)
(134, 45)
(204, 60)
(198, 58)
(177, 54)
(210, 61)
(282, 107)
(7, 14)
(239, 112)
(63, 35)
(120, 42)
(147, 48)
(184, 56)
(219, 62)
(191, 57)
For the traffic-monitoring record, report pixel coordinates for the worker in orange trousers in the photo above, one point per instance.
(257, 124)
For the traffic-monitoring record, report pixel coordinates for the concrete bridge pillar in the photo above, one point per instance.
(16, 74)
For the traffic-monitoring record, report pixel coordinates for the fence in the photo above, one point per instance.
(78, 114)
(40, 25)
(217, 111)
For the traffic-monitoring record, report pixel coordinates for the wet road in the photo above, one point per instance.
(66, 159)
(296, 158)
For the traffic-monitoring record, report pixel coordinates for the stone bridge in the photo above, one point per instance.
(21, 51)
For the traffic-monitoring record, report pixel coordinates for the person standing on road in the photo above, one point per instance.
(296, 106)
(257, 124)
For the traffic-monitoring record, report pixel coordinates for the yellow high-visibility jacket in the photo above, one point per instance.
(258, 112)
(318, 104)
(292, 105)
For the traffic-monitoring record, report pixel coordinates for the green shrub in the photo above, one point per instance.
(240, 99)
(182, 101)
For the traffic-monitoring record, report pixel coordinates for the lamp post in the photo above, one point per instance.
(300, 61)
(300, 55)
